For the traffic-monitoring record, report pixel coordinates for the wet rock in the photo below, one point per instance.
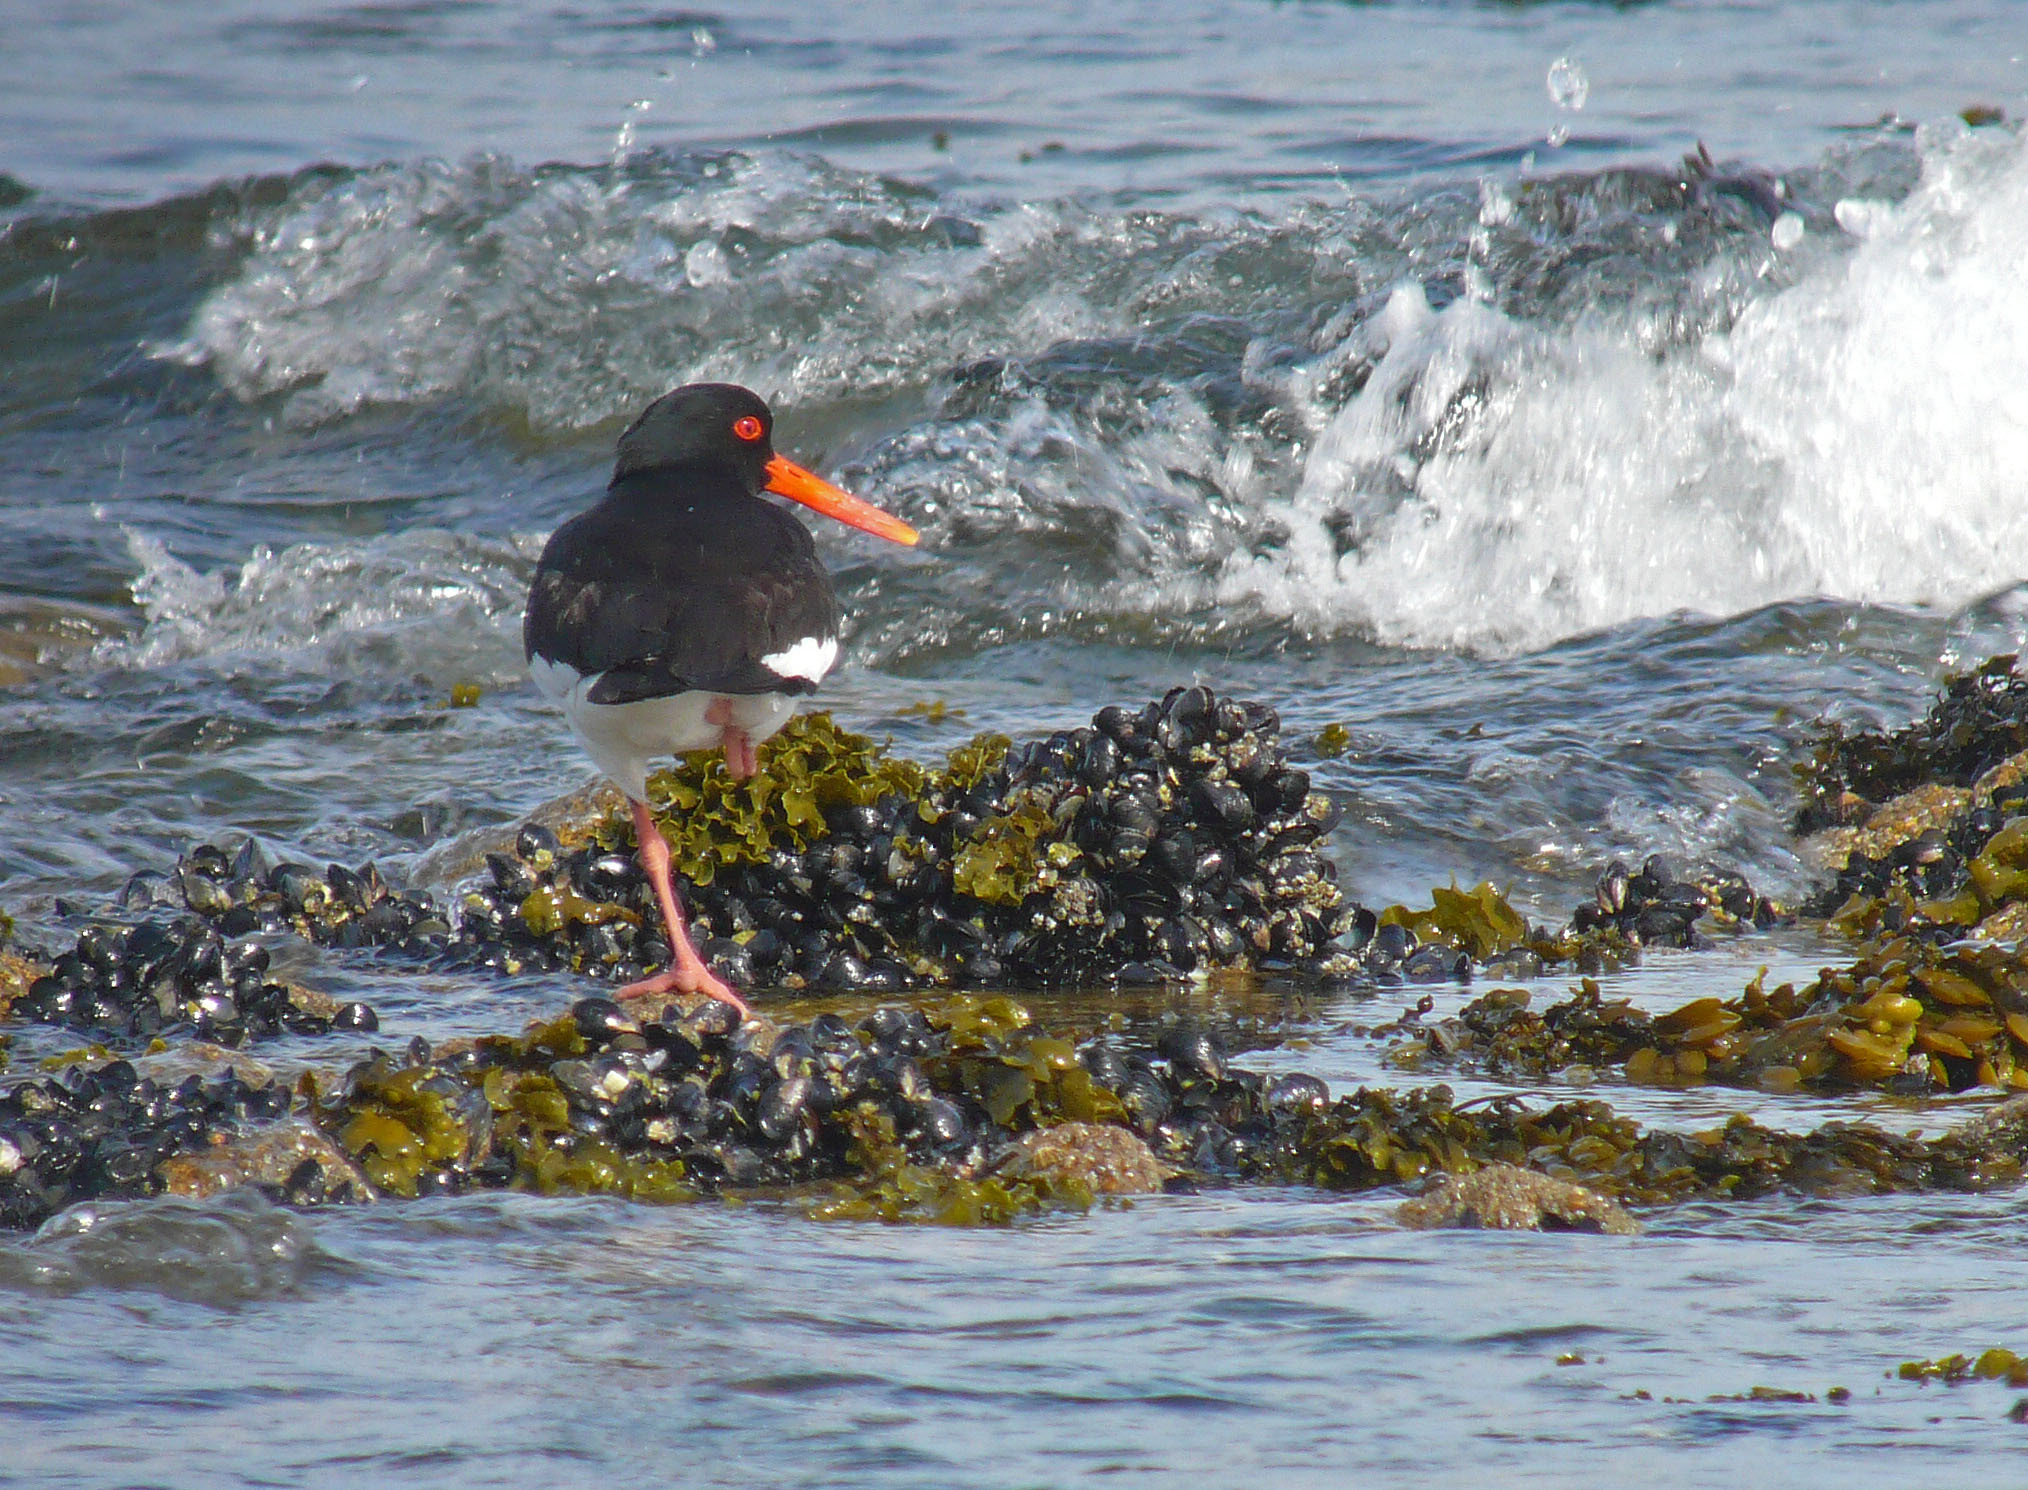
(181, 975)
(1101, 1157)
(1069, 858)
(1661, 905)
(1150, 845)
(1501, 1197)
(294, 1161)
(1978, 722)
(16, 974)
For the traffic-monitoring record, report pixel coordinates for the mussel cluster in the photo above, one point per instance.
(655, 1108)
(689, 1102)
(1932, 863)
(105, 1131)
(903, 1113)
(186, 973)
(1927, 825)
(241, 893)
(1660, 905)
(1140, 847)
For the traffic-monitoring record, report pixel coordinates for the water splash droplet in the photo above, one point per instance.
(1495, 205)
(1787, 232)
(1568, 85)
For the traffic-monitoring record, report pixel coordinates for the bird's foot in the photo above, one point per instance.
(680, 979)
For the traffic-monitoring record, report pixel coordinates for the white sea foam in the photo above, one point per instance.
(1861, 434)
(417, 600)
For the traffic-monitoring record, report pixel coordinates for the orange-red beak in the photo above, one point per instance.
(787, 479)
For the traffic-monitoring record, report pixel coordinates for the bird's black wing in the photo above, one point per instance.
(683, 607)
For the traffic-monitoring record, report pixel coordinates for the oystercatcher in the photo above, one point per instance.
(684, 612)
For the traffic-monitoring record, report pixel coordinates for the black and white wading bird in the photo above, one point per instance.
(685, 611)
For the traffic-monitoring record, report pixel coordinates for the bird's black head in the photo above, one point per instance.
(702, 424)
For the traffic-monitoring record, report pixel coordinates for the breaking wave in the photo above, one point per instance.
(1486, 418)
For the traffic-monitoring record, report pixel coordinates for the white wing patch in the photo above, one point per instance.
(808, 659)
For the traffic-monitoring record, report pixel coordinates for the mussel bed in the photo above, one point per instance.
(1152, 845)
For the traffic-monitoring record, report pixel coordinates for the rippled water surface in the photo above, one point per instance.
(1386, 362)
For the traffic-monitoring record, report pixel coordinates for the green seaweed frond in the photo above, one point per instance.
(1478, 921)
(812, 766)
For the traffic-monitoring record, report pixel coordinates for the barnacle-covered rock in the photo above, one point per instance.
(1925, 829)
(292, 1160)
(1104, 1158)
(1502, 1197)
(1153, 843)
(17, 972)
(968, 1111)
(1147, 844)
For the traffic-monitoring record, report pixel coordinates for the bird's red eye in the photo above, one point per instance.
(747, 428)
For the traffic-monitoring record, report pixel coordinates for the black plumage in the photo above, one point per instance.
(683, 578)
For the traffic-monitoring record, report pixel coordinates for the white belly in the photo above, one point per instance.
(622, 739)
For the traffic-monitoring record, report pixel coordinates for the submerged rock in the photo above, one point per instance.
(1501, 1197)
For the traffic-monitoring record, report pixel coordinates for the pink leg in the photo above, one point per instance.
(687, 972)
(741, 759)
